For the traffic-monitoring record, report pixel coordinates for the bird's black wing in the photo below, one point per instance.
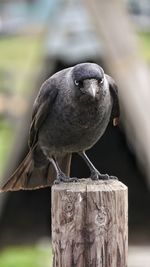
(41, 109)
(114, 93)
(28, 176)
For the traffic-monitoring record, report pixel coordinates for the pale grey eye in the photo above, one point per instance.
(76, 82)
(101, 81)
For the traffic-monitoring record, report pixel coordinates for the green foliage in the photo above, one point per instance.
(144, 38)
(26, 257)
(20, 58)
(19, 63)
(6, 137)
(17, 50)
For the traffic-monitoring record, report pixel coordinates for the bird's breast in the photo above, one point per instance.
(73, 127)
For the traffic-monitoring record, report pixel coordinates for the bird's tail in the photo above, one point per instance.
(27, 177)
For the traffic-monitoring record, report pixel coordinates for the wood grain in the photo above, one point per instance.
(90, 224)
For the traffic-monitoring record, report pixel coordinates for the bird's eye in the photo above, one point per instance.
(101, 81)
(76, 82)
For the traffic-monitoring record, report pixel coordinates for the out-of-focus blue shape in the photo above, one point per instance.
(19, 16)
(140, 13)
(71, 37)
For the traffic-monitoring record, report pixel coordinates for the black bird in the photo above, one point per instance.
(70, 114)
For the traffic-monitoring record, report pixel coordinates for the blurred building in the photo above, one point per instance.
(140, 11)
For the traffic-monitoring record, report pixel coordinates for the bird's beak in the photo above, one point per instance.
(90, 87)
(92, 90)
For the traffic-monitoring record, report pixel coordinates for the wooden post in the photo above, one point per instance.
(90, 224)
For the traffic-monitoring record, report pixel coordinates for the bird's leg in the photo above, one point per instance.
(95, 174)
(60, 176)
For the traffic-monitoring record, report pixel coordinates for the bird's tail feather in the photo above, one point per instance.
(27, 177)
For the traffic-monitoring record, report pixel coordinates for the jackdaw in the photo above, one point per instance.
(70, 114)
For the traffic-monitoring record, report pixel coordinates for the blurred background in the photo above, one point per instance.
(38, 38)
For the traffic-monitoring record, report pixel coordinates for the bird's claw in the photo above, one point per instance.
(65, 179)
(98, 176)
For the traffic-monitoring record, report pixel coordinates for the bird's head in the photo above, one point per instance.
(89, 80)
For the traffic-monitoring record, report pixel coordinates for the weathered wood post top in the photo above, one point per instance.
(90, 224)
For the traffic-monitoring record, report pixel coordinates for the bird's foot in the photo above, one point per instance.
(95, 175)
(65, 179)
